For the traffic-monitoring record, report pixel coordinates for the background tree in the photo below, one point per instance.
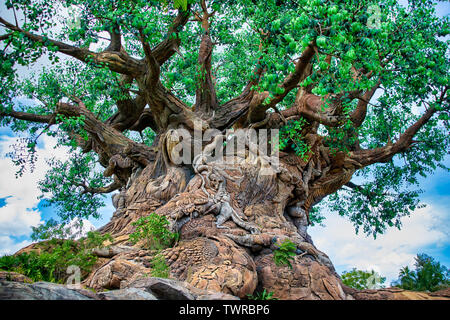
(429, 275)
(359, 279)
(125, 75)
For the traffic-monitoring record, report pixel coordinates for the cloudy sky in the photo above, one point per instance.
(425, 231)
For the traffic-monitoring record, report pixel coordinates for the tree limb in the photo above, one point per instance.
(206, 98)
(107, 189)
(116, 61)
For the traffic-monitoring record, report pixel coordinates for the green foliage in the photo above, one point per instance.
(359, 279)
(159, 265)
(291, 137)
(374, 206)
(55, 257)
(95, 239)
(263, 295)
(64, 188)
(429, 275)
(153, 230)
(285, 253)
(316, 216)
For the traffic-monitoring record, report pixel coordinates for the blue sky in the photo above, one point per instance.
(427, 230)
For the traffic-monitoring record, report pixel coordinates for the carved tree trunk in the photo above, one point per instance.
(231, 217)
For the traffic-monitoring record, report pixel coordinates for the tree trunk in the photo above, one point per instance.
(231, 217)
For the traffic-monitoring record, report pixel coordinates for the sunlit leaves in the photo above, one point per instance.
(63, 187)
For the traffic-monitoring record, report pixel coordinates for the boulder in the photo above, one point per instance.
(214, 264)
(307, 280)
(393, 294)
(14, 276)
(127, 294)
(170, 289)
(40, 291)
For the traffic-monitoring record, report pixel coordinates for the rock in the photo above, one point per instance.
(392, 294)
(164, 289)
(38, 291)
(217, 296)
(142, 289)
(213, 264)
(307, 280)
(111, 251)
(441, 293)
(14, 276)
(116, 272)
(127, 294)
(170, 289)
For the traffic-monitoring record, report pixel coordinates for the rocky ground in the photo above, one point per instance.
(128, 280)
(14, 286)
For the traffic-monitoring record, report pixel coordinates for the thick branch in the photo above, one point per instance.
(165, 49)
(107, 141)
(28, 116)
(116, 61)
(292, 80)
(384, 154)
(107, 189)
(358, 116)
(129, 111)
(206, 98)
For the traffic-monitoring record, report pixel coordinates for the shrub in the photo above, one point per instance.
(160, 268)
(429, 275)
(264, 295)
(284, 253)
(361, 280)
(55, 257)
(153, 230)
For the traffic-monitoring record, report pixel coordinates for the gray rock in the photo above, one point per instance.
(217, 296)
(111, 251)
(163, 289)
(38, 291)
(170, 289)
(142, 289)
(127, 294)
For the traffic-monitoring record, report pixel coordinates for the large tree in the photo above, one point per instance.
(357, 89)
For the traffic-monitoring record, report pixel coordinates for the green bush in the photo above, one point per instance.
(284, 253)
(264, 295)
(160, 268)
(55, 257)
(153, 230)
(361, 280)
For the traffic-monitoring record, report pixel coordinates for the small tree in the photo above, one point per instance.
(359, 279)
(429, 275)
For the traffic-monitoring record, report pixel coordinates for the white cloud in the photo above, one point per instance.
(425, 227)
(20, 212)
(9, 246)
(75, 231)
